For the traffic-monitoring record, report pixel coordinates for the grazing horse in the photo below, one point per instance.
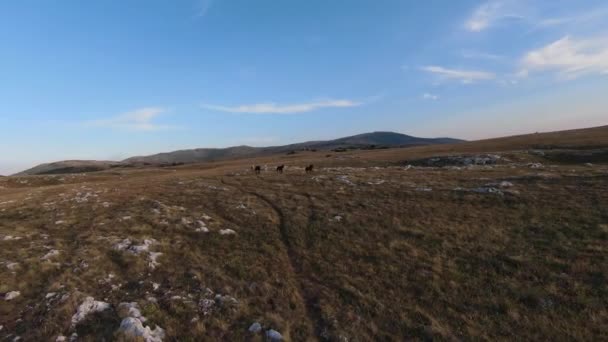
(309, 168)
(257, 169)
(280, 168)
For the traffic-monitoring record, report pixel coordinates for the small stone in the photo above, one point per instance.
(255, 328)
(274, 336)
(12, 295)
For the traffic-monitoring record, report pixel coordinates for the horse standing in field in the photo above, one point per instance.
(257, 169)
(280, 168)
(309, 168)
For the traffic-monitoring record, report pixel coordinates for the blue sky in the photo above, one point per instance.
(113, 79)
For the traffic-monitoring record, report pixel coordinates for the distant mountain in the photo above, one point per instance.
(69, 166)
(361, 141)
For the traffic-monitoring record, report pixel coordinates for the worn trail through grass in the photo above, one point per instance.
(306, 290)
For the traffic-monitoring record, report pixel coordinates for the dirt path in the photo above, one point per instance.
(306, 290)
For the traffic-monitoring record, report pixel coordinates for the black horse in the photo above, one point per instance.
(280, 168)
(309, 168)
(258, 169)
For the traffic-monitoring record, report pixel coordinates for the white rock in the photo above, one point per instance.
(133, 328)
(12, 295)
(255, 328)
(50, 254)
(12, 265)
(130, 310)
(12, 238)
(227, 232)
(153, 259)
(90, 305)
(274, 336)
(60, 338)
(132, 324)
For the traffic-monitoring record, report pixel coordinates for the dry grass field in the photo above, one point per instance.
(367, 247)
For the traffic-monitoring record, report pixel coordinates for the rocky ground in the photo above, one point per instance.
(492, 246)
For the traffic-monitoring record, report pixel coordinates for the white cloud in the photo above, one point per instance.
(274, 108)
(464, 76)
(570, 58)
(137, 120)
(491, 12)
(429, 96)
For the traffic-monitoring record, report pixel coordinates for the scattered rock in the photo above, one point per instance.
(481, 159)
(255, 328)
(535, 165)
(12, 238)
(153, 259)
(133, 328)
(503, 184)
(52, 253)
(202, 227)
(488, 190)
(274, 336)
(12, 295)
(227, 232)
(60, 338)
(206, 306)
(345, 179)
(90, 305)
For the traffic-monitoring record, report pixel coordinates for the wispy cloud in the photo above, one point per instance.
(274, 108)
(430, 97)
(203, 7)
(569, 58)
(474, 54)
(585, 17)
(464, 76)
(137, 120)
(492, 12)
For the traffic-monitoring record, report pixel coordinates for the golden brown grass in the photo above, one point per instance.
(356, 251)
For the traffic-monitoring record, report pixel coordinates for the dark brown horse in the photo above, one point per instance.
(280, 168)
(258, 169)
(309, 168)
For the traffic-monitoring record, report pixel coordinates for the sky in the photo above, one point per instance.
(111, 79)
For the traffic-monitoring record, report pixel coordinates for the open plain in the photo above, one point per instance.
(490, 240)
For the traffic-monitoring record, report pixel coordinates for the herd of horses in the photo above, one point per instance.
(258, 169)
